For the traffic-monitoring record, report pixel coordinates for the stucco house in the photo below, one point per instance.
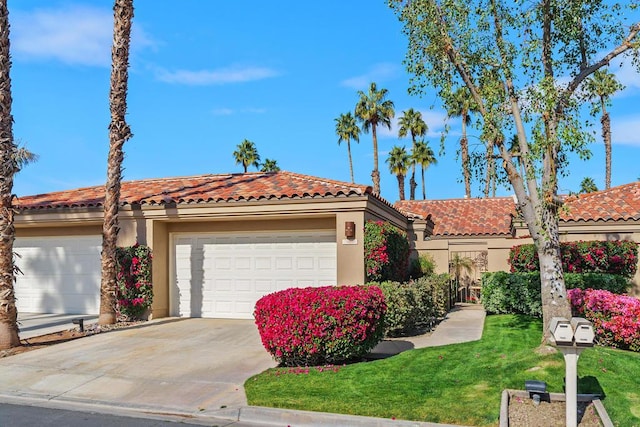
(222, 241)
(486, 229)
(259, 232)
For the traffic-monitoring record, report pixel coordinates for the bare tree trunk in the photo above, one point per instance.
(375, 174)
(8, 312)
(412, 181)
(424, 192)
(464, 154)
(119, 133)
(606, 136)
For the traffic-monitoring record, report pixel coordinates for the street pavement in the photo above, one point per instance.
(186, 369)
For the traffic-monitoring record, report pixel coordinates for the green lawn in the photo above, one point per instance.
(457, 384)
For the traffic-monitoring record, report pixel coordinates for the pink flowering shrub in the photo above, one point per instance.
(386, 252)
(315, 326)
(614, 257)
(616, 318)
(135, 291)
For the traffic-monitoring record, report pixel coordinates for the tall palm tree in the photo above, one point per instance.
(270, 165)
(119, 133)
(8, 312)
(461, 106)
(399, 162)
(424, 156)
(587, 185)
(347, 129)
(602, 84)
(247, 155)
(374, 109)
(412, 123)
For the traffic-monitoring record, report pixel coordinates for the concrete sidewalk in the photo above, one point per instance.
(465, 322)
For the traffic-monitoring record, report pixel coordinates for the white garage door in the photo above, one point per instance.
(61, 274)
(223, 275)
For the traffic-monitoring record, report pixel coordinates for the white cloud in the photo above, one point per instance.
(74, 35)
(378, 73)
(215, 77)
(626, 131)
(435, 120)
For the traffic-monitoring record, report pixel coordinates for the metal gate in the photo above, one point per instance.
(466, 268)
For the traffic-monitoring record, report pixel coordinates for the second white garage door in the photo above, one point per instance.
(223, 275)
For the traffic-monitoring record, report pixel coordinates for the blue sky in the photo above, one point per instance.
(206, 75)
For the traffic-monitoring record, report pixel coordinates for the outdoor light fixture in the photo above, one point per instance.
(80, 322)
(350, 230)
(536, 389)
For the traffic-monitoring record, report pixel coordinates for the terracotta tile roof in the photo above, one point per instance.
(465, 217)
(617, 203)
(203, 188)
(476, 217)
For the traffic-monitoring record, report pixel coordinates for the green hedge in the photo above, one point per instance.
(386, 252)
(504, 292)
(415, 305)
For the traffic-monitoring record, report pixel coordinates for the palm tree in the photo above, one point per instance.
(247, 155)
(424, 156)
(372, 110)
(399, 162)
(461, 106)
(412, 123)
(588, 186)
(270, 166)
(347, 129)
(602, 84)
(24, 157)
(460, 266)
(119, 133)
(8, 312)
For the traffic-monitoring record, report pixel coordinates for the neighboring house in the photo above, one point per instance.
(484, 230)
(219, 242)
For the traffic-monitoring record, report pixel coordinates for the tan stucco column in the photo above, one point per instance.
(158, 240)
(350, 251)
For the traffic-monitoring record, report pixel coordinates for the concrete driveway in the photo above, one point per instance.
(171, 365)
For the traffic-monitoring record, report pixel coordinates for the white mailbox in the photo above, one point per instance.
(582, 331)
(561, 331)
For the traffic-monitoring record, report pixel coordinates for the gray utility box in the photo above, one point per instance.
(582, 331)
(561, 331)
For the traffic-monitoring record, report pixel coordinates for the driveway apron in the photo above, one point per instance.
(182, 365)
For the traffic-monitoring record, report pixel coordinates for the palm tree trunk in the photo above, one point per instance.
(119, 133)
(412, 180)
(375, 174)
(606, 137)
(424, 193)
(8, 312)
(400, 186)
(350, 161)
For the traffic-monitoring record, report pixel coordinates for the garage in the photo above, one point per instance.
(222, 275)
(59, 274)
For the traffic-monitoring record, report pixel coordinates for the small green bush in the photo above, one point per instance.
(424, 265)
(415, 305)
(519, 293)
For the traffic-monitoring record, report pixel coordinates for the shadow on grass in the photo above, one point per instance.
(590, 385)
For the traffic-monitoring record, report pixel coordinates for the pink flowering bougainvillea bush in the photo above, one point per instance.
(616, 318)
(315, 326)
(386, 252)
(614, 257)
(135, 291)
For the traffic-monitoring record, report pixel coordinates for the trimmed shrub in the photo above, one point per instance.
(504, 292)
(314, 326)
(135, 290)
(386, 252)
(614, 257)
(415, 305)
(616, 318)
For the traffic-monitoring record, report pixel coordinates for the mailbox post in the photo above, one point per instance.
(571, 337)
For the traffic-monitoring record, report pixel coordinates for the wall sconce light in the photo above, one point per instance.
(350, 230)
